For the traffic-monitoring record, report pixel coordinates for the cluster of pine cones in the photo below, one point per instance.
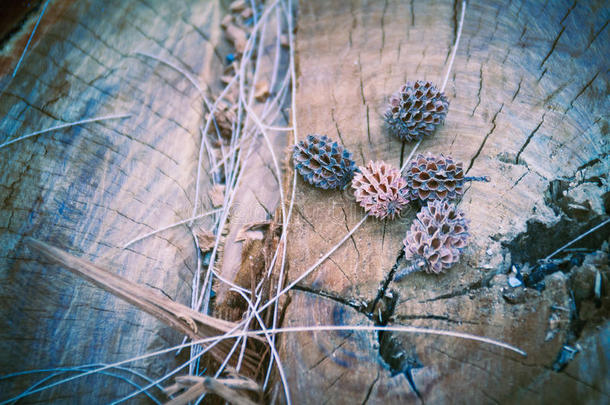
(439, 233)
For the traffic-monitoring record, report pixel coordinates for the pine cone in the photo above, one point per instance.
(437, 237)
(323, 162)
(416, 110)
(434, 178)
(380, 189)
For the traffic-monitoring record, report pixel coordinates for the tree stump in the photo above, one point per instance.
(92, 188)
(529, 106)
(528, 102)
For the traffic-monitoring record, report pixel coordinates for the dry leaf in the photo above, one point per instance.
(261, 91)
(217, 195)
(206, 240)
(228, 19)
(252, 231)
(237, 6)
(284, 41)
(237, 36)
(226, 79)
(247, 13)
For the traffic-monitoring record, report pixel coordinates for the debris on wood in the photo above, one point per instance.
(227, 388)
(217, 195)
(515, 278)
(252, 231)
(237, 37)
(228, 19)
(261, 91)
(256, 259)
(226, 79)
(247, 13)
(284, 41)
(237, 6)
(206, 240)
(183, 319)
(225, 115)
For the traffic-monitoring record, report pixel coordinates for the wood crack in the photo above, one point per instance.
(479, 91)
(552, 46)
(370, 390)
(586, 86)
(493, 128)
(596, 35)
(529, 138)
(518, 89)
(385, 8)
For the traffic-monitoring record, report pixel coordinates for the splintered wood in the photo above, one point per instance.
(258, 251)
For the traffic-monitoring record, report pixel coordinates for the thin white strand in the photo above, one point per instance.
(71, 124)
(203, 141)
(232, 334)
(408, 159)
(274, 352)
(184, 221)
(455, 47)
(44, 8)
(595, 228)
(180, 70)
(289, 19)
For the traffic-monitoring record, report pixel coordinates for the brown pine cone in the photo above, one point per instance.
(437, 237)
(416, 110)
(380, 189)
(434, 178)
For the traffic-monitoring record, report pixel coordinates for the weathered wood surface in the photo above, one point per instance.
(92, 188)
(529, 104)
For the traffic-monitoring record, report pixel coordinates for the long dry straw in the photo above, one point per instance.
(44, 8)
(449, 67)
(67, 125)
(232, 334)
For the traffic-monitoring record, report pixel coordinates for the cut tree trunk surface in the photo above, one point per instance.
(92, 188)
(528, 107)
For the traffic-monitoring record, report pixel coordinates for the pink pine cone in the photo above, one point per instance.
(380, 189)
(437, 237)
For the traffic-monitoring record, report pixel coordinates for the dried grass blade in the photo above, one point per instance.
(214, 386)
(180, 317)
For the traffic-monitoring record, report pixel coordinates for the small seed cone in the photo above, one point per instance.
(437, 237)
(323, 163)
(380, 190)
(434, 178)
(416, 110)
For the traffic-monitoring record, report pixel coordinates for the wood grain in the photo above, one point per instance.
(528, 106)
(92, 188)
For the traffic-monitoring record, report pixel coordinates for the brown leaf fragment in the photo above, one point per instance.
(284, 41)
(219, 386)
(237, 6)
(252, 231)
(247, 13)
(261, 91)
(226, 79)
(206, 240)
(224, 120)
(237, 37)
(217, 195)
(228, 19)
